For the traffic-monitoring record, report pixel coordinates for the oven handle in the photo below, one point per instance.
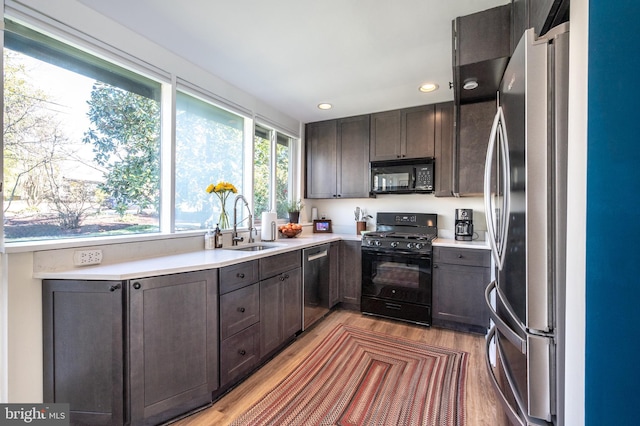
(411, 254)
(509, 410)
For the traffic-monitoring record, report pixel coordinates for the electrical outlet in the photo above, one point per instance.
(87, 257)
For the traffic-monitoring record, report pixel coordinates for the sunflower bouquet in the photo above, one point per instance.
(222, 191)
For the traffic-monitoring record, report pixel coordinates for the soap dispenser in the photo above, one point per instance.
(217, 237)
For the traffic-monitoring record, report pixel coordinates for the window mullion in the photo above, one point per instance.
(273, 196)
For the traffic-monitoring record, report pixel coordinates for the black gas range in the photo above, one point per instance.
(397, 267)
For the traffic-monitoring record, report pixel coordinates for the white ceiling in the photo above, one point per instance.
(361, 56)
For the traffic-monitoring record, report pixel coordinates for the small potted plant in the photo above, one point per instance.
(293, 208)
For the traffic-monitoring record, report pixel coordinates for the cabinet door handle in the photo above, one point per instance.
(241, 309)
(459, 256)
(242, 352)
(435, 265)
(240, 275)
(137, 285)
(114, 287)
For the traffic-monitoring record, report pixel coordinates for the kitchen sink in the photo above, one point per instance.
(254, 247)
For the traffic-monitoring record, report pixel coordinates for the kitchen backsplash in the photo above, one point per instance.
(342, 219)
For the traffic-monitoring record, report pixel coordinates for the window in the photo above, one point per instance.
(82, 147)
(81, 143)
(273, 171)
(209, 149)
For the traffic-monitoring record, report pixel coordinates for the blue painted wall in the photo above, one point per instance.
(612, 377)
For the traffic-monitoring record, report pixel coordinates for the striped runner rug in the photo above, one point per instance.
(358, 377)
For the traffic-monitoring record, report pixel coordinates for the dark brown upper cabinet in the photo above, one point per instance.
(444, 149)
(338, 158)
(461, 149)
(470, 149)
(481, 46)
(404, 133)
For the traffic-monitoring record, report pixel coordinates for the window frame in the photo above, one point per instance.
(170, 84)
(294, 165)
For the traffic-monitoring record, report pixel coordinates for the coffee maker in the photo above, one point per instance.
(464, 224)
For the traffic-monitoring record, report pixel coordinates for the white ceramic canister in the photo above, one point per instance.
(269, 230)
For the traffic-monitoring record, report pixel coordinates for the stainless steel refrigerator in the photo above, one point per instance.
(525, 203)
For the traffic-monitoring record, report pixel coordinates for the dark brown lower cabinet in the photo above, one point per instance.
(460, 277)
(159, 363)
(173, 344)
(239, 354)
(83, 349)
(334, 278)
(350, 273)
(239, 321)
(280, 310)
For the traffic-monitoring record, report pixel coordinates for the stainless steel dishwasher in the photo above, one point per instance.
(316, 283)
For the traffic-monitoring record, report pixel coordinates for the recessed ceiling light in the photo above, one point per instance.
(470, 84)
(428, 87)
(325, 106)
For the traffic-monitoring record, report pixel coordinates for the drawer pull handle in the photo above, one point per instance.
(459, 256)
(240, 309)
(137, 285)
(114, 287)
(242, 352)
(240, 275)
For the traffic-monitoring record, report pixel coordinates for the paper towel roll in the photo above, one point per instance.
(269, 230)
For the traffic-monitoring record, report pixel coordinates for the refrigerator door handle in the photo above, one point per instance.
(497, 231)
(504, 328)
(509, 410)
(488, 208)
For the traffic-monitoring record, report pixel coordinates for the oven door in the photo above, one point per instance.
(397, 285)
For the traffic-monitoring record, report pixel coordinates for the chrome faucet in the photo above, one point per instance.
(234, 237)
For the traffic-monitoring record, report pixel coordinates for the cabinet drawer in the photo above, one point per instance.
(471, 257)
(239, 354)
(237, 276)
(239, 309)
(274, 265)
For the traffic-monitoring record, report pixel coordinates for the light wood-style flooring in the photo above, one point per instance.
(482, 407)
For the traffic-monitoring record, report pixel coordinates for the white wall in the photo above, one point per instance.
(24, 376)
(343, 221)
(576, 232)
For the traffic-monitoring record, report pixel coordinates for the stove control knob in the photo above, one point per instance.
(375, 242)
(410, 245)
(418, 246)
(394, 244)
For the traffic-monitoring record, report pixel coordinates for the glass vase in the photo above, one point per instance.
(223, 221)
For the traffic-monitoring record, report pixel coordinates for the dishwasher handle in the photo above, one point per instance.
(318, 255)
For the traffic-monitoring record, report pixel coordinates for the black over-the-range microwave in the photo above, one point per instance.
(402, 176)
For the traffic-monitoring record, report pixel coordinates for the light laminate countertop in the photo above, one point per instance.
(210, 259)
(187, 262)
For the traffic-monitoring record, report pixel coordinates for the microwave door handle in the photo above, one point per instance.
(488, 205)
